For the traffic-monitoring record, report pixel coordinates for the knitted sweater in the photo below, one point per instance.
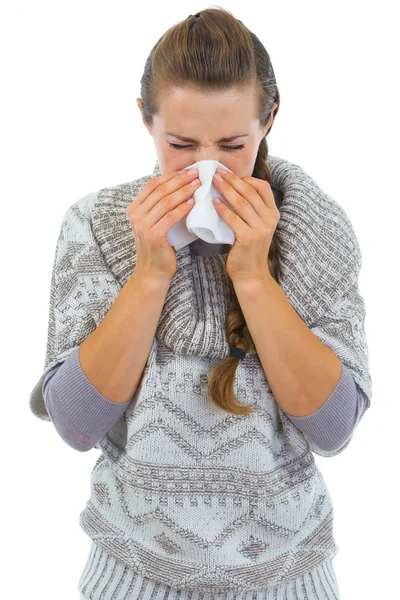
(185, 498)
(82, 415)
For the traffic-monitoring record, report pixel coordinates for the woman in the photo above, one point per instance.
(207, 376)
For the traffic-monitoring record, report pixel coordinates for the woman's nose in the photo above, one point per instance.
(207, 155)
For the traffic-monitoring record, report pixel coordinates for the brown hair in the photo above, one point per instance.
(212, 50)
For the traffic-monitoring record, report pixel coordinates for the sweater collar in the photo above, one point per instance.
(196, 306)
(193, 317)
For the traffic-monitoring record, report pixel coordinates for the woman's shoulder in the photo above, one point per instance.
(120, 194)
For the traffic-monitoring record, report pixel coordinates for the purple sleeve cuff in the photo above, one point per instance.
(80, 414)
(333, 424)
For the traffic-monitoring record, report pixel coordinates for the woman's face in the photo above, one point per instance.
(206, 117)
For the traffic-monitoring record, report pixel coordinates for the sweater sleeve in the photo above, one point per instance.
(332, 426)
(82, 291)
(80, 414)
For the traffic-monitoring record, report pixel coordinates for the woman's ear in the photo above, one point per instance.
(140, 104)
(271, 118)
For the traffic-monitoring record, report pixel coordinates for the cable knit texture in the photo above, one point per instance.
(183, 493)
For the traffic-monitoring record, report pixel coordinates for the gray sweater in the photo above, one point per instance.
(186, 500)
(81, 415)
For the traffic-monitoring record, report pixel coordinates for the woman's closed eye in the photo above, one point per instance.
(229, 148)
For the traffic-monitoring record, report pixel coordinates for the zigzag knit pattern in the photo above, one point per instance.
(184, 493)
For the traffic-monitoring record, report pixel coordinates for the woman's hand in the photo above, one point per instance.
(155, 210)
(254, 224)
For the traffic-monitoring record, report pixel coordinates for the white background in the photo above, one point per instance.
(70, 125)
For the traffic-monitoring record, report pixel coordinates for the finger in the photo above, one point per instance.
(171, 181)
(246, 207)
(231, 182)
(235, 222)
(162, 202)
(264, 190)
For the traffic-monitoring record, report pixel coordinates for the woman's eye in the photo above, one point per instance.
(226, 147)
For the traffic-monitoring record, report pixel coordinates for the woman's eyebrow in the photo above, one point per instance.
(224, 139)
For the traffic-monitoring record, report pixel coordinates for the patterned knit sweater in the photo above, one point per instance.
(187, 499)
(82, 415)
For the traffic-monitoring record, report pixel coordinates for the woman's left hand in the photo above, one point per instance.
(254, 224)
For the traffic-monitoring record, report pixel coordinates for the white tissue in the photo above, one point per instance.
(203, 221)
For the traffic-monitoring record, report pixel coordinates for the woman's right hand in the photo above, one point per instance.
(160, 205)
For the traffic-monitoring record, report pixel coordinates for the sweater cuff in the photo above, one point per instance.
(75, 404)
(333, 424)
